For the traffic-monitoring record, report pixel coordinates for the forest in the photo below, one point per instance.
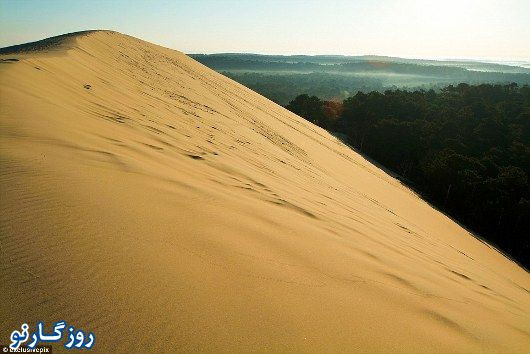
(464, 148)
(335, 77)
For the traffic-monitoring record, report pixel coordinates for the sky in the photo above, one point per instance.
(439, 29)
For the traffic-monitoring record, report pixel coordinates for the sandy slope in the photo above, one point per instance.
(166, 207)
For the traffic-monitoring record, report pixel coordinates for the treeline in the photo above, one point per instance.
(330, 63)
(369, 68)
(465, 148)
(397, 71)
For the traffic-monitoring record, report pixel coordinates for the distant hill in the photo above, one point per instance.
(282, 78)
(217, 60)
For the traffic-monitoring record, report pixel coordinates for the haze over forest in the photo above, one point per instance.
(317, 176)
(336, 77)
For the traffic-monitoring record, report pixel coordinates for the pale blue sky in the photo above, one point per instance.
(486, 29)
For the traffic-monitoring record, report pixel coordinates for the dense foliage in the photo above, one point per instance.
(465, 148)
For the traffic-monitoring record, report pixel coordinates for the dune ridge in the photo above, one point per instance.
(165, 207)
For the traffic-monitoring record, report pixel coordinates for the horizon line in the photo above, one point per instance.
(488, 60)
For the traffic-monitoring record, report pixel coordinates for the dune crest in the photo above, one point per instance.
(166, 207)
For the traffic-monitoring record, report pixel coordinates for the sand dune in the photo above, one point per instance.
(165, 207)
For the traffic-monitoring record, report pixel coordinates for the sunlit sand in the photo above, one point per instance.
(165, 207)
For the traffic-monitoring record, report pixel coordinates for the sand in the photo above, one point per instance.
(165, 207)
